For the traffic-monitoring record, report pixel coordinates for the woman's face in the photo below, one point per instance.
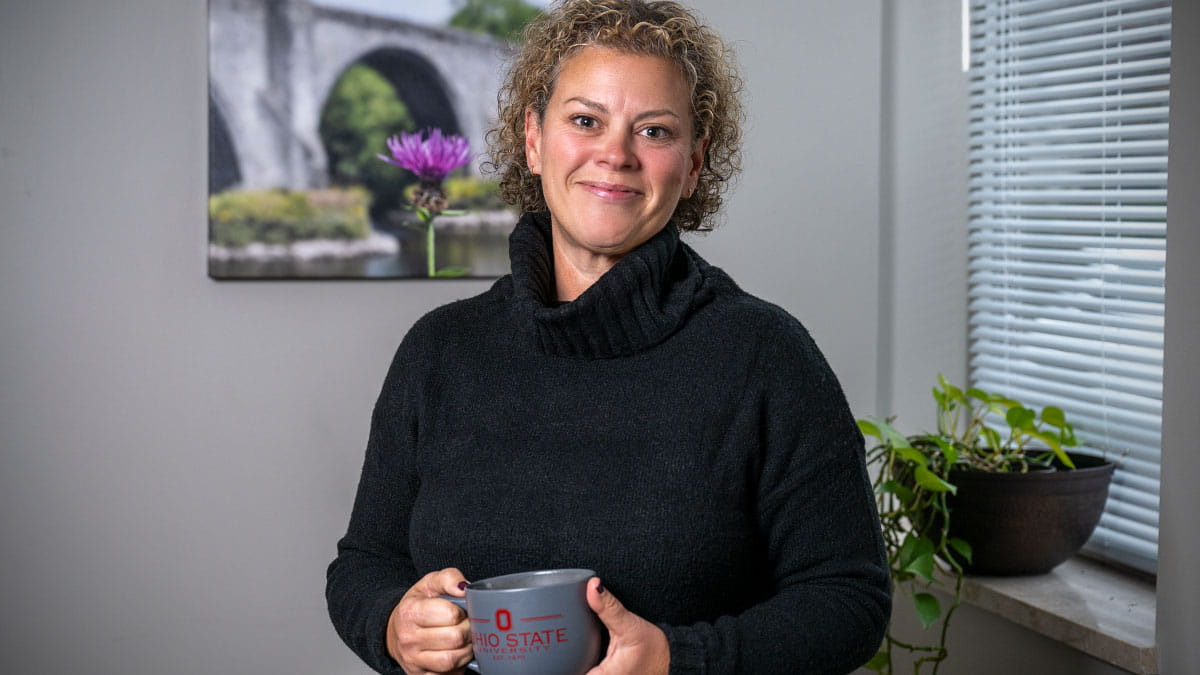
(614, 150)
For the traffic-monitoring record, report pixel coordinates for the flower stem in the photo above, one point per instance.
(429, 247)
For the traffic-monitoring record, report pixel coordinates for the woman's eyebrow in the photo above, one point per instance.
(601, 108)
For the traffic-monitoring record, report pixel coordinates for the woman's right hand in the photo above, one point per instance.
(428, 635)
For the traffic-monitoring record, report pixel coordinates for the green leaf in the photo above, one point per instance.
(928, 609)
(1064, 458)
(952, 393)
(1019, 417)
(869, 429)
(947, 449)
(450, 272)
(1055, 446)
(896, 438)
(1046, 438)
(895, 487)
(454, 212)
(1053, 416)
(922, 565)
(908, 549)
(962, 547)
(879, 662)
(930, 481)
(916, 556)
(913, 455)
(978, 394)
(1068, 435)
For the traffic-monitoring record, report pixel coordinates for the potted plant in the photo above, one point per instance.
(994, 491)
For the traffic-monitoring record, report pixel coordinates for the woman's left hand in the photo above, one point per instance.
(635, 646)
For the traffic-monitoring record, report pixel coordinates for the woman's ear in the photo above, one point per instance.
(533, 141)
(699, 148)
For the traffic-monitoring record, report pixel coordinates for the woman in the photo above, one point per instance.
(617, 403)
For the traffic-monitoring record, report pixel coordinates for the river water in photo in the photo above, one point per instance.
(483, 251)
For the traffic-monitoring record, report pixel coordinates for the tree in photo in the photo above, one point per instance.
(504, 19)
(362, 112)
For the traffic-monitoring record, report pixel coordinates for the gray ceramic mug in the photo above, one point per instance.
(532, 623)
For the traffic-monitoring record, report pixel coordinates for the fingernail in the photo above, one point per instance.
(462, 585)
(600, 587)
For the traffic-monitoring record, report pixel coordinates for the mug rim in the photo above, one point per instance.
(572, 575)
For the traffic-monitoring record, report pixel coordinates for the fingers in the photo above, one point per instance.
(431, 613)
(427, 633)
(422, 606)
(439, 639)
(421, 643)
(635, 645)
(436, 662)
(442, 582)
(612, 613)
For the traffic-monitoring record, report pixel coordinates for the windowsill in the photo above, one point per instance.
(1093, 608)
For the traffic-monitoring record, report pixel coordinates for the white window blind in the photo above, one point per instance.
(1068, 194)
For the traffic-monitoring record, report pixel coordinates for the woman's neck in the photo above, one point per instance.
(576, 271)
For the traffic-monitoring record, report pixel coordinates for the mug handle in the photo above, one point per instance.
(462, 604)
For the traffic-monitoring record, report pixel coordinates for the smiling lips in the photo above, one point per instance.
(610, 191)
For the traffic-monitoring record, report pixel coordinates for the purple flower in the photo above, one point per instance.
(432, 158)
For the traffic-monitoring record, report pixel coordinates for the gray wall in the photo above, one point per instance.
(178, 456)
(923, 240)
(803, 226)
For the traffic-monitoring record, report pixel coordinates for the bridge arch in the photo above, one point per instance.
(418, 84)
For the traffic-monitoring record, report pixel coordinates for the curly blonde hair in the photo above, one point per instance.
(654, 28)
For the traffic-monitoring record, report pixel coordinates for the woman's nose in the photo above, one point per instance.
(616, 151)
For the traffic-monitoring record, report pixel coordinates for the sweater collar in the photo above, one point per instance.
(637, 304)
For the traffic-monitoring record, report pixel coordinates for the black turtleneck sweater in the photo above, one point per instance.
(682, 438)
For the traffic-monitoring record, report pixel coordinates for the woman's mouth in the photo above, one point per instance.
(610, 191)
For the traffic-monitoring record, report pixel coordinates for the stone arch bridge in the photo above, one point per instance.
(273, 63)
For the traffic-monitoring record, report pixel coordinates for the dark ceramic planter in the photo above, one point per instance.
(1027, 523)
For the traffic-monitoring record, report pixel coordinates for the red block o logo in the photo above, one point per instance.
(503, 619)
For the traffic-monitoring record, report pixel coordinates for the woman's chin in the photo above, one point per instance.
(605, 232)
(616, 238)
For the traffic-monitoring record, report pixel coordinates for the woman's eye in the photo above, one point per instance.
(584, 121)
(656, 133)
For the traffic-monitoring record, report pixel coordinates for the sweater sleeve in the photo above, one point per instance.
(373, 568)
(830, 597)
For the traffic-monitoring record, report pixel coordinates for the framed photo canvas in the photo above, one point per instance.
(303, 97)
